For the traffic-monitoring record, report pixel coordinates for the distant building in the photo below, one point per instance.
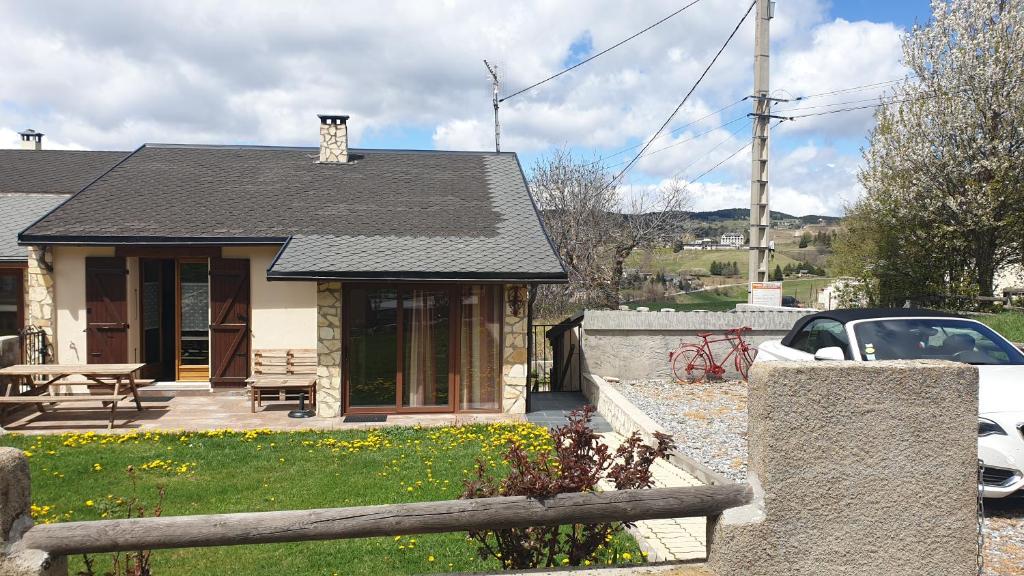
(733, 239)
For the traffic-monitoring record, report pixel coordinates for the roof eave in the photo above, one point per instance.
(420, 276)
(44, 239)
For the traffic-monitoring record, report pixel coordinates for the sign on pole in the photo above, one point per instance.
(766, 293)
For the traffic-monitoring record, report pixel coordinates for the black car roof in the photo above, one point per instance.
(845, 315)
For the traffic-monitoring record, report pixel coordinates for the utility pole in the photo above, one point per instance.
(760, 216)
(497, 86)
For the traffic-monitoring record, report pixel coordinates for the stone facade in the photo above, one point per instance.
(514, 353)
(333, 140)
(328, 348)
(39, 290)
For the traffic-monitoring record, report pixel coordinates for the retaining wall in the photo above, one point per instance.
(857, 468)
(635, 345)
(10, 351)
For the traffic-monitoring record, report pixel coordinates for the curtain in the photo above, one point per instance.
(425, 374)
(480, 347)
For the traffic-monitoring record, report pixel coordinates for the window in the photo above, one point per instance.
(480, 347)
(11, 294)
(952, 339)
(821, 333)
(423, 347)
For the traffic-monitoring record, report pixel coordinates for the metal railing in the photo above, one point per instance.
(35, 345)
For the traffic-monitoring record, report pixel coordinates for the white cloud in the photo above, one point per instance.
(112, 75)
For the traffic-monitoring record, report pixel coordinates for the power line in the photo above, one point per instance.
(724, 160)
(685, 98)
(713, 148)
(674, 144)
(846, 103)
(602, 52)
(849, 89)
(852, 108)
(675, 130)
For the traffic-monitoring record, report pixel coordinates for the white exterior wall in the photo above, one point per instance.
(69, 281)
(283, 312)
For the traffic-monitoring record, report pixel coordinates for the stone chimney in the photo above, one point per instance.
(31, 140)
(333, 138)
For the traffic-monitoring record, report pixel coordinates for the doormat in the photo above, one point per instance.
(365, 418)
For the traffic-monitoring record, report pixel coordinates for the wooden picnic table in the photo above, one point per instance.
(40, 392)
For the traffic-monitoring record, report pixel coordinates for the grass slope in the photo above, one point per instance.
(674, 262)
(80, 476)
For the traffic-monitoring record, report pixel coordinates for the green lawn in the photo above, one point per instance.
(664, 259)
(1009, 324)
(79, 476)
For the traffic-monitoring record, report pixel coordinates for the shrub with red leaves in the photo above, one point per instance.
(578, 462)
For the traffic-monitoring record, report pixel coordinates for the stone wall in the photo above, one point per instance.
(10, 350)
(39, 290)
(857, 468)
(514, 354)
(635, 345)
(328, 349)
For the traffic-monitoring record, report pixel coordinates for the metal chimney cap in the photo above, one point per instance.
(333, 118)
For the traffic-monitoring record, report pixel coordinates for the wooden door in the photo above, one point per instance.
(106, 310)
(229, 321)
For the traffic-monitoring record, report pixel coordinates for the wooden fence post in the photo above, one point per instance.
(16, 518)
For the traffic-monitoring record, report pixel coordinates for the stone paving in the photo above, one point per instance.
(550, 409)
(207, 411)
(672, 539)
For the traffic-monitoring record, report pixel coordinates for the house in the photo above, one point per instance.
(33, 181)
(408, 271)
(733, 239)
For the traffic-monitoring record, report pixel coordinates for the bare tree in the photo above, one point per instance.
(595, 227)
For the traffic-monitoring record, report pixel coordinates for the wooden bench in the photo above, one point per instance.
(280, 372)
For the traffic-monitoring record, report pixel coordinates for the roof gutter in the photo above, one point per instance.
(42, 239)
(414, 276)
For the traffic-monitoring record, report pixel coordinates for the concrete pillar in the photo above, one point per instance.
(858, 468)
(16, 518)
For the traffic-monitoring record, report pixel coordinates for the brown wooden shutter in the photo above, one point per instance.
(106, 310)
(229, 321)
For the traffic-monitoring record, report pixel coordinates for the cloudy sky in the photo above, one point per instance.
(113, 75)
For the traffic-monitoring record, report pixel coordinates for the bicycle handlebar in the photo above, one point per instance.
(739, 330)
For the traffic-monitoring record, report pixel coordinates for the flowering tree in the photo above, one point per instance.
(944, 173)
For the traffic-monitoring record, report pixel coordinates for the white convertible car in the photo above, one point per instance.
(863, 335)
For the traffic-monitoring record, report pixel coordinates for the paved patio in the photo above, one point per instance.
(206, 411)
(551, 409)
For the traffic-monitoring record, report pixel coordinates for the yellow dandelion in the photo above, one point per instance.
(89, 503)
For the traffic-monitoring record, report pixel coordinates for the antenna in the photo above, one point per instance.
(493, 70)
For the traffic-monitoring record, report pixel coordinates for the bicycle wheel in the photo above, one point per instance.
(744, 358)
(690, 364)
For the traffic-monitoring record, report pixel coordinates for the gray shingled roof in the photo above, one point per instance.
(18, 211)
(387, 214)
(53, 171)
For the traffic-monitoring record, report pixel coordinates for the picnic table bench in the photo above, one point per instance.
(280, 372)
(41, 392)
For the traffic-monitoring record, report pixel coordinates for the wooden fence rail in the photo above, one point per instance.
(390, 520)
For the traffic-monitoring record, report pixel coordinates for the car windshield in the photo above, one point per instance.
(953, 339)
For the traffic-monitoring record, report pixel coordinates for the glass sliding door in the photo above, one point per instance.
(426, 333)
(193, 320)
(480, 347)
(422, 348)
(372, 320)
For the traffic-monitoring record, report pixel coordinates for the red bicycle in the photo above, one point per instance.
(695, 362)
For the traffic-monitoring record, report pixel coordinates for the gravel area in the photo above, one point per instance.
(713, 426)
(709, 422)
